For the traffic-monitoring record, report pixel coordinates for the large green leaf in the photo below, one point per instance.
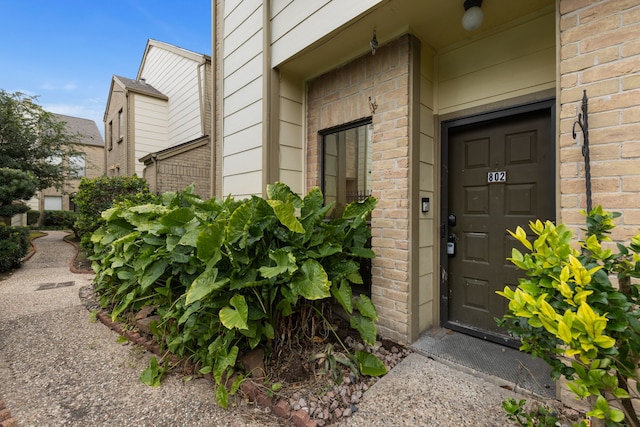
(286, 214)
(365, 327)
(312, 204)
(359, 211)
(222, 396)
(203, 285)
(282, 192)
(247, 223)
(225, 359)
(362, 252)
(285, 262)
(324, 250)
(190, 236)
(152, 375)
(153, 273)
(190, 310)
(369, 364)
(210, 240)
(124, 303)
(342, 293)
(177, 217)
(245, 280)
(236, 315)
(311, 281)
(366, 307)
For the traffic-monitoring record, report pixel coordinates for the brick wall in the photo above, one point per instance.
(600, 53)
(342, 96)
(177, 171)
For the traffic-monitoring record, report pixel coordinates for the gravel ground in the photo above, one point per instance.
(57, 368)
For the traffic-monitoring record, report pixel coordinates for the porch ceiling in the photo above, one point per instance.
(436, 22)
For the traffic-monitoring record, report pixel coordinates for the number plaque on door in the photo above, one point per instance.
(496, 176)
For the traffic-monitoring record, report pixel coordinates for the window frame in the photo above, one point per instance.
(58, 200)
(110, 136)
(120, 125)
(367, 121)
(73, 170)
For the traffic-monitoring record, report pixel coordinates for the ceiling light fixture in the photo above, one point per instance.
(473, 15)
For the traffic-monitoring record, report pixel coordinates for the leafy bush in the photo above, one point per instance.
(96, 195)
(518, 413)
(568, 312)
(14, 245)
(64, 220)
(32, 217)
(227, 276)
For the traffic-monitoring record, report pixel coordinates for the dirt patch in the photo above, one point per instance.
(80, 262)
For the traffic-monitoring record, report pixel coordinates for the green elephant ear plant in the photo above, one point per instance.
(227, 276)
(578, 309)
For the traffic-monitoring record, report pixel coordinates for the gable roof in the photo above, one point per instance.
(139, 86)
(131, 85)
(151, 43)
(88, 130)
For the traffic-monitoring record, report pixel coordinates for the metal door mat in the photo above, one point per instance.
(489, 358)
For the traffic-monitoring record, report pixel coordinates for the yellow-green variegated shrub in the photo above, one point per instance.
(568, 312)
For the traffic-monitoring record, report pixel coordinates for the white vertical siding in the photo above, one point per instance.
(296, 24)
(176, 76)
(150, 128)
(292, 137)
(242, 93)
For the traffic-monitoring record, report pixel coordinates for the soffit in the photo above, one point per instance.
(437, 23)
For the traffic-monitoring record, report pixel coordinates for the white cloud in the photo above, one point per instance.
(65, 86)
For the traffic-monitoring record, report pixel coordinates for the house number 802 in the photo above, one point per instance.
(498, 176)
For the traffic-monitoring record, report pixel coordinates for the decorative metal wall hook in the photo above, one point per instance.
(583, 124)
(373, 105)
(374, 43)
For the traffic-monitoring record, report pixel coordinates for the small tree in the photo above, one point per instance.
(32, 140)
(15, 185)
(568, 312)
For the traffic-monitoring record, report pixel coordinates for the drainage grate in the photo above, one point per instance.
(489, 358)
(46, 286)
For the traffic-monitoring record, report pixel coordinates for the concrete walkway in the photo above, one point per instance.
(57, 368)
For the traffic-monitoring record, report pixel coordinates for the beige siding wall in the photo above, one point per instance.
(513, 62)
(150, 130)
(427, 186)
(180, 78)
(600, 53)
(340, 97)
(242, 98)
(292, 134)
(299, 23)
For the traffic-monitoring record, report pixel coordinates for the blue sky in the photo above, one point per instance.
(66, 51)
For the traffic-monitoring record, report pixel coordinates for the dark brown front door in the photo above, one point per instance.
(500, 176)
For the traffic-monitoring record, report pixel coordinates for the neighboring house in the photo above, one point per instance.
(459, 134)
(158, 125)
(90, 164)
